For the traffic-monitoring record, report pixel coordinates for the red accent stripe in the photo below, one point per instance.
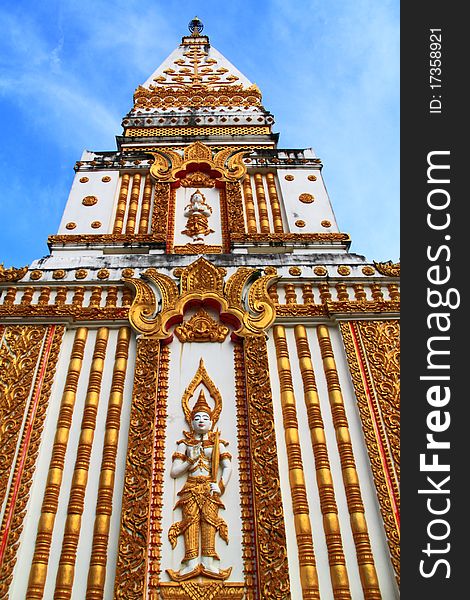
(376, 430)
(27, 436)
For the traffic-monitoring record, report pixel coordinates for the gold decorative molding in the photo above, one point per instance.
(388, 268)
(202, 591)
(198, 180)
(307, 238)
(372, 349)
(106, 239)
(201, 327)
(12, 274)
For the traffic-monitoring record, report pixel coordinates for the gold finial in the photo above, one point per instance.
(196, 26)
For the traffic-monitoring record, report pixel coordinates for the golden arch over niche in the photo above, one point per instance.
(243, 301)
(224, 166)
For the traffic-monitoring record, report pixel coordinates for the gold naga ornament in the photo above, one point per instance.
(200, 455)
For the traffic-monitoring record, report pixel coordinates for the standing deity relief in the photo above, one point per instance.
(197, 213)
(201, 458)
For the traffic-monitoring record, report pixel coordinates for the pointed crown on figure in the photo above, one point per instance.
(201, 406)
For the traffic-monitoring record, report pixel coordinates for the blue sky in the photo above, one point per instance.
(328, 71)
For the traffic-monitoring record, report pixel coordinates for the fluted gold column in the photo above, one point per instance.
(122, 203)
(145, 212)
(38, 573)
(365, 558)
(262, 207)
(134, 204)
(275, 206)
(303, 529)
(329, 509)
(104, 505)
(66, 571)
(249, 205)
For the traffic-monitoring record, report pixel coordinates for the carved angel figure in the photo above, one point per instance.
(197, 213)
(201, 455)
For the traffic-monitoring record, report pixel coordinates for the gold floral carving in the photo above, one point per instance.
(35, 274)
(159, 97)
(372, 349)
(106, 179)
(89, 200)
(300, 223)
(70, 225)
(295, 271)
(84, 179)
(271, 549)
(15, 508)
(128, 272)
(161, 204)
(344, 270)
(306, 198)
(388, 268)
(368, 270)
(234, 203)
(95, 224)
(202, 591)
(132, 563)
(19, 354)
(312, 178)
(75, 312)
(81, 273)
(58, 274)
(201, 327)
(197, 249)
(103, 274)
(289, 177)
(320, 271)
(198, 180)
(12, 274)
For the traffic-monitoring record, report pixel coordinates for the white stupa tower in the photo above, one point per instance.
(199, 389)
